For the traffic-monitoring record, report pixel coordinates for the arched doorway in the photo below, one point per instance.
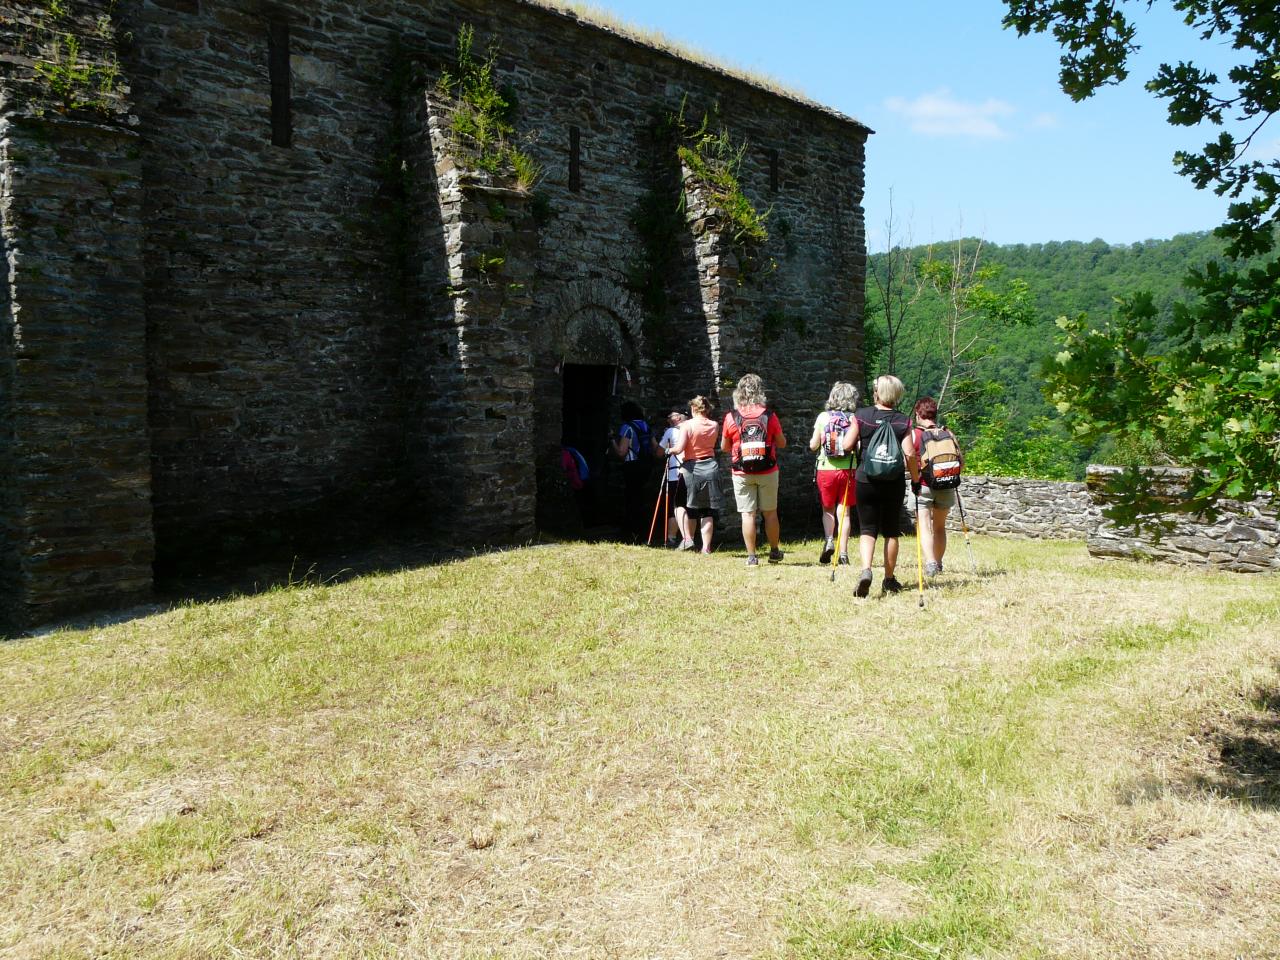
(595, 340)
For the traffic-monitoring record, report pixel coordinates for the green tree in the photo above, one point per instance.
(974, 306)
(1207, 388)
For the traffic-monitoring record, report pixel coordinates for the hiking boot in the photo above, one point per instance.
(891, 585)
(932, 569)
(864, 584)
(844, 560)
(673, 542)
(685, 545)
(828, 548)
(776, 555)
(753, 561)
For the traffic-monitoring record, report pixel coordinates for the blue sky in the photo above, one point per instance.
(973, 135)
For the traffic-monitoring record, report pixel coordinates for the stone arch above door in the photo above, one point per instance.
(594, 322)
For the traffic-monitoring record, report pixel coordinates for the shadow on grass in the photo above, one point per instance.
(1241, 756)
(229, 579)
(1245, 751)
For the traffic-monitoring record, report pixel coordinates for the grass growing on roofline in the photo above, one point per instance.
(663, 41)
(595, 750)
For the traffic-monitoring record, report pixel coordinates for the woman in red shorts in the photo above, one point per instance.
(835, 473)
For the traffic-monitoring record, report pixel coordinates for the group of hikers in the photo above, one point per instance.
(864, 456)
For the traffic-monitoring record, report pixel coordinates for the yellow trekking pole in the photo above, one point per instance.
(919, 552)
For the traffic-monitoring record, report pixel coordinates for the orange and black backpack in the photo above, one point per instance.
(940, 460)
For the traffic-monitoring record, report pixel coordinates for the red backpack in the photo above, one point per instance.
(755, 454)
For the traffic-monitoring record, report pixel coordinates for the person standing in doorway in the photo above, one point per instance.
(752, 436)
(634, 446)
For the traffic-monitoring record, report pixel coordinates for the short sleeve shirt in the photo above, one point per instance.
(673, 461)
(771, 433)
(869, 418)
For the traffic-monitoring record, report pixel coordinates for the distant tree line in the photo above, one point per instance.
(1016, 293)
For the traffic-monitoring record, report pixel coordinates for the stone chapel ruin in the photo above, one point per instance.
(258, 289)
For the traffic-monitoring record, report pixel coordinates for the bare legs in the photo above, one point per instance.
(679, 525)
(867, 548)
(772, 530)
(933, 532)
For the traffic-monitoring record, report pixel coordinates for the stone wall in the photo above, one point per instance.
(255, 289)
(1244, 537)
(1040, 509)
(75, 514)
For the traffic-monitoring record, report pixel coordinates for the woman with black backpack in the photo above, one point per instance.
(882, 437)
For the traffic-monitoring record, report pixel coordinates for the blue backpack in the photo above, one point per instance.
(637, 431)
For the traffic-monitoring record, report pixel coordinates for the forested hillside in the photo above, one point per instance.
(994, 396)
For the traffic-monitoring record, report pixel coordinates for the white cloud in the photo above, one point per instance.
(939, 114)
(1044, 121)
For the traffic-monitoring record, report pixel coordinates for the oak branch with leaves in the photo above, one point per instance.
(1206, 390)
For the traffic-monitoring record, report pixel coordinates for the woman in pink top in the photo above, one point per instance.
(696, 442)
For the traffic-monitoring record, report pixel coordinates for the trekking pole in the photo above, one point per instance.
(964, 525)
(662, 479)
(919, 553)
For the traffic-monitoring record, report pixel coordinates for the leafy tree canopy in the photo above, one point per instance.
(1208, 392)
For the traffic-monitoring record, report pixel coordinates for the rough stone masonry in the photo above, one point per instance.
(256, 294)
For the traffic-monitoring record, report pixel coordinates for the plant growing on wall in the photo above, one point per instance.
(485, 113)
(72, 78)
(713, 158)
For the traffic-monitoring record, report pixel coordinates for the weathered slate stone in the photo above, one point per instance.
(213, 344)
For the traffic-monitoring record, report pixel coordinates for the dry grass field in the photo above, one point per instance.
(596, 751)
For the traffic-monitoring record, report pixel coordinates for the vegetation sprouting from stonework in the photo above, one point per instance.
(713, 158)
(660, 216)
(72, 78)
(485, 114)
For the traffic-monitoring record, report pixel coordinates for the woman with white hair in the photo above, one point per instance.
(880, 496)
(835, 469)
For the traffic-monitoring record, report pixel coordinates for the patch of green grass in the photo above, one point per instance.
(191, 842)
(542, 750)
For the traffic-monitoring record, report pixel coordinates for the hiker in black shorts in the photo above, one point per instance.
(880, 481)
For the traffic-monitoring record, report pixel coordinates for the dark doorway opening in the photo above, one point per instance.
(588, 404)
(588, 396)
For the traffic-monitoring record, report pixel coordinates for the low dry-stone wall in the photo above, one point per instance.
(1042, 509)
(1245, 536)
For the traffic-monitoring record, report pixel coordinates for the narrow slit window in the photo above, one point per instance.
(773, 170)
(281, 84)
(575, 159)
